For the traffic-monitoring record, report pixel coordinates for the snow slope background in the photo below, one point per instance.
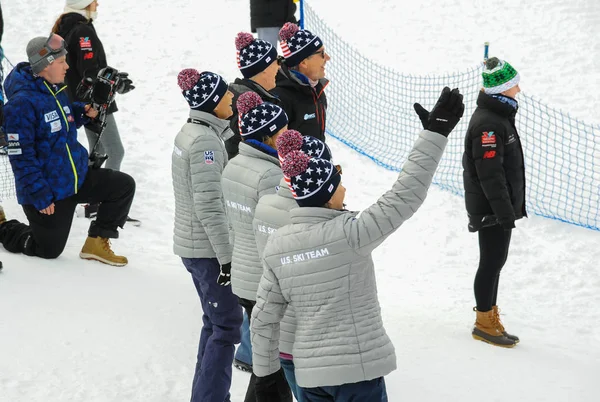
(72, 330)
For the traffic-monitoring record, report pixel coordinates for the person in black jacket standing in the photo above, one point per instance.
(494, 181)
(86, 57)
(268, 16)
(301, 80)
(258, 63)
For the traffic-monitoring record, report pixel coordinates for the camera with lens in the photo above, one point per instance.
(100, 92)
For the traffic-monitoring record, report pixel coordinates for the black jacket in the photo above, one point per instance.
(494, 170)
(271, 13)
(305, 106)
(239, 87)
(86, 54)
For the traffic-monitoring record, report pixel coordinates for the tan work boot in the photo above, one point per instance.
(486, 330)
(2, 215)
(98, 248)
(496, 311)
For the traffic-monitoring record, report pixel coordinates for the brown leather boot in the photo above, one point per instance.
(98, 248)
(486, 330)
(496, 311)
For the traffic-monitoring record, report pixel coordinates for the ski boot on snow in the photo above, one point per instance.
(486, 329)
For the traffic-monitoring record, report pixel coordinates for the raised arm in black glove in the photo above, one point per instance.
(273, 388)
(446, 113)
(224, 278)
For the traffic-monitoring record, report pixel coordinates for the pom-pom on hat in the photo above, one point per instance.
(202, 91)
(297, 44)
(258, 119)
(253, 55)
(313, 181)
(499, 76)
(292, 140)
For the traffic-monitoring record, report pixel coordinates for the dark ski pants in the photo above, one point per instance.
(46, 235)
(221, 318)
(248, 305)
(290, 375)
(493, 252)
(372, 391)
(285, 394)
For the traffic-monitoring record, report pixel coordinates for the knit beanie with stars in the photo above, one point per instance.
(297, 44)
(253, 55)
(313, 181)
(258, 119)
(292, 140)
(499, 76)
(203, 91)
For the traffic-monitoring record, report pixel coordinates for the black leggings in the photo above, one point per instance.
(493, 251)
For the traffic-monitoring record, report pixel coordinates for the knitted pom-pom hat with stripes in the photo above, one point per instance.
(253, 55)
(312, 181)
(298, 44)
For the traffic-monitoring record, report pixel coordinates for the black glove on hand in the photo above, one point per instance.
(273, 388)
(224, 278)
(126, 85)
(446, 113)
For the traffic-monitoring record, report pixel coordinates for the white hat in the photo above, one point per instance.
(78, 4)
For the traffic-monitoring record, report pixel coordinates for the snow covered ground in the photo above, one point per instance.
(72, 330)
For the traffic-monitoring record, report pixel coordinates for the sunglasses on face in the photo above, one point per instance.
(321, 52)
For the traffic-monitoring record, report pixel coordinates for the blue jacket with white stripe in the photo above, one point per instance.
(40, 124)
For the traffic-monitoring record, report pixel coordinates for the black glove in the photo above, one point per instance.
(273, 388)
(446, 113)
(507, 224)
(125, 84)
(224, 278)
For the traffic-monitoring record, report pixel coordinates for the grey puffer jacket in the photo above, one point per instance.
(199, 157)
(249, 176)
(273, 212)
(321, 265)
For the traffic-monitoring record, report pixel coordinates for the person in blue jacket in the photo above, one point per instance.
(51, 167)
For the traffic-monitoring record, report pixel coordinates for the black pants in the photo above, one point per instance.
(493, 251)
(248, 305)
(46, 235)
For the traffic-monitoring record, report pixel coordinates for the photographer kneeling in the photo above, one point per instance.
(51, 167)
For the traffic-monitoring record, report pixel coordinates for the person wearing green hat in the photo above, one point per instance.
(494, 182)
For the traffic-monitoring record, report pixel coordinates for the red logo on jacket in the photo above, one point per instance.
(488, 137)
(489, 154)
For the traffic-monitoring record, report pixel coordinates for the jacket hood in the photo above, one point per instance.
(69, 21)
(21, 78)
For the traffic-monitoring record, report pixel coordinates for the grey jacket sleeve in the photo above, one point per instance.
(396, 206)
(266, 317)
(269, 182)
(208, 196)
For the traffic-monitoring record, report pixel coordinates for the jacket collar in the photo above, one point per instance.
(316, 214)
(247, 83)
(488, 102)
(284, 190)
(252, 152)
(219, 125)
(286, 76)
